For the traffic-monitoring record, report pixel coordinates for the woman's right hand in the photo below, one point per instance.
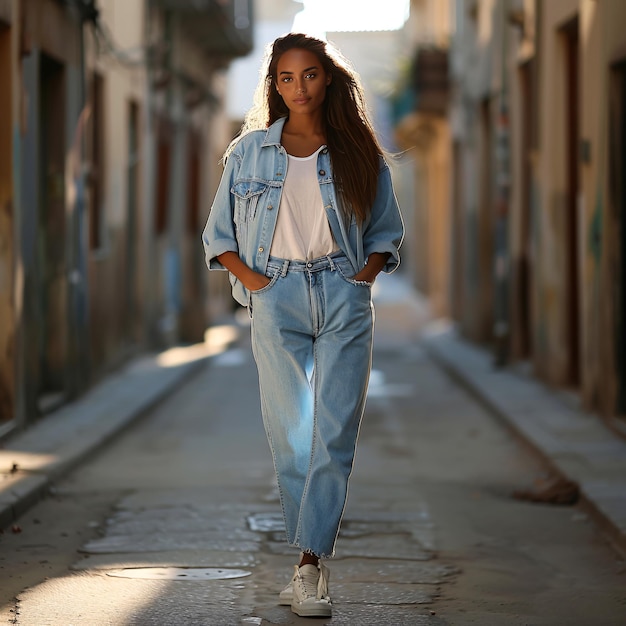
(251, 280)
(256, 281)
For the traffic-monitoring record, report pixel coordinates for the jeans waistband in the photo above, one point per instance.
(314, 265)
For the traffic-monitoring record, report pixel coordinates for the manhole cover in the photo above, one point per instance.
(178, 573)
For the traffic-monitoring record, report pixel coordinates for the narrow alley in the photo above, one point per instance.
(136, 482)
(178, 522)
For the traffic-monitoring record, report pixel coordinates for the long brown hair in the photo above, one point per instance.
(350, 137)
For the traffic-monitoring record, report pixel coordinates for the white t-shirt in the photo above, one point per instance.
(302, 230)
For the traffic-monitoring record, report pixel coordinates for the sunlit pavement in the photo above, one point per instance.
(177, 521)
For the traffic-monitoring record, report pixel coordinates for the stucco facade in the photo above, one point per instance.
(109, 152)
(538, 207)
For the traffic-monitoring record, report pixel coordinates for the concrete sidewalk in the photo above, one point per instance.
(573, 444)
(31, 461)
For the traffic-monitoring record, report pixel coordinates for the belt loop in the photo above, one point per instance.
(285, 267)
(331, 263)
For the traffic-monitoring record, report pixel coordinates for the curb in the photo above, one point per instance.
(31, 461)
(572, 444)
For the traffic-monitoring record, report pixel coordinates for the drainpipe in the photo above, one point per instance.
(172, 278)
(78, 244)
(501, 328)
(78, 281)
(19, 409)
(148, 168)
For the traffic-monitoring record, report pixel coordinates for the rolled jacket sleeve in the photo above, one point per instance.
(384, 230)
(219, 234)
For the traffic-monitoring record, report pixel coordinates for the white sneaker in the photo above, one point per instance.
(310, 591)
(286, 595)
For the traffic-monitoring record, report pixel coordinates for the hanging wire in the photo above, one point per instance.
(139, 56)
(131, 57)
(105, 42)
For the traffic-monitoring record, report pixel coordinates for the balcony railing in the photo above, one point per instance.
(430, 80)
(222, 28)
(425, 86)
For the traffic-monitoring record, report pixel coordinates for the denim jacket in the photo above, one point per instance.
(243, 214)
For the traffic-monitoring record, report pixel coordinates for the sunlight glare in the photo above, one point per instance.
(351, 15)
(217, 339)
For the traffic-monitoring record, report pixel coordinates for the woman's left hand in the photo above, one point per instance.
(375, 263)
(363, 276)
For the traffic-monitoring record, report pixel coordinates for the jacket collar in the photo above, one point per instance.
(274, 132)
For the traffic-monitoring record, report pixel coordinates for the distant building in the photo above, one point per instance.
(273, 18)
(422, 129)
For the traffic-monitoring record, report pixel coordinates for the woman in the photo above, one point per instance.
(304, 219)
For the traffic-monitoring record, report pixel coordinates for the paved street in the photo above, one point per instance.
(177, 521)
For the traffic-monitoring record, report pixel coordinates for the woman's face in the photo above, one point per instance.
(301, 80)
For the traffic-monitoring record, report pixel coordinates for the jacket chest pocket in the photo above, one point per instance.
(247, 195)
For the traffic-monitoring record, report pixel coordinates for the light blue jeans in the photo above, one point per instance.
(312, 331)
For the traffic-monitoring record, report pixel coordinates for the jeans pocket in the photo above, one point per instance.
(350, 280)
(274, 275)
